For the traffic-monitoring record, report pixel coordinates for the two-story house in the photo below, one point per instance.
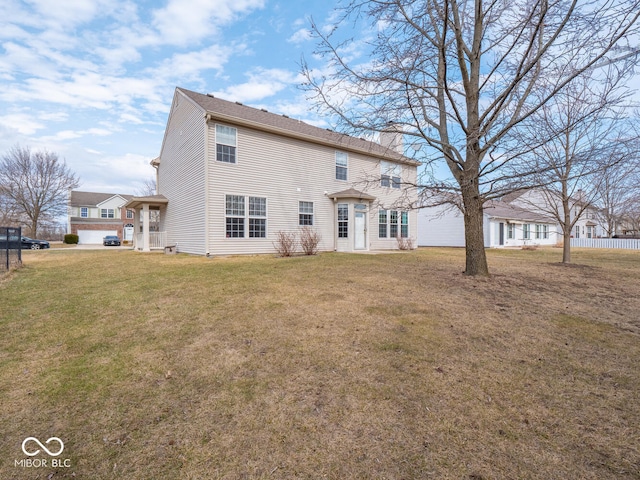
(93, 216)
(230, 177)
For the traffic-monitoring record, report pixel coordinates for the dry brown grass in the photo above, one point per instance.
(332, 366)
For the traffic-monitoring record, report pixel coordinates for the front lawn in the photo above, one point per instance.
(339, 366)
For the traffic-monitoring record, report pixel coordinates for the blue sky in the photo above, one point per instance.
(92, 80)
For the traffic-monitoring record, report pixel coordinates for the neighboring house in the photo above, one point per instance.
(587, 225)
(505, 225)
(230, 177)
(93, 216)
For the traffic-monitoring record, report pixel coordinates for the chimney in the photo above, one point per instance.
(391, 138)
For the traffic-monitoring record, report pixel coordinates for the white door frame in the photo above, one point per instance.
(360, 227)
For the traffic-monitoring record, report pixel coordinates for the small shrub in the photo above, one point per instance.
(309, 240)
(71, 238)
(285, 243)
(405, 243)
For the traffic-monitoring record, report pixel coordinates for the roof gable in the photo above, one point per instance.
(93, 199)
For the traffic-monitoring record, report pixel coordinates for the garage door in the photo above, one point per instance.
(94, 236)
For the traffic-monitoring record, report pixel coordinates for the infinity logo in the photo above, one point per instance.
(31, 454)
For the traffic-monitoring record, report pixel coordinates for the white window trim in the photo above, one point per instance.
(398, 223)
(340, 154)
(392, 173)
(246, 216)
(235, 145)
(300, 212)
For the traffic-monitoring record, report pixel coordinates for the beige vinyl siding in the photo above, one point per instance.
(286, 171)
(282, 171)
(389, 199)
(181, 177)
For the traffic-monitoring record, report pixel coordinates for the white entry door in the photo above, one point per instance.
(361, 231)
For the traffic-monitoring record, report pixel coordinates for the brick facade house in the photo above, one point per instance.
(93, 215)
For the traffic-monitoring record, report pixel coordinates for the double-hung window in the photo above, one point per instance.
(305, 213)
(390, 174)
(393, 224)
(382, 223)
(404, 224)
(511, 231)
(84, 212)
(343, 220)
(234, 216)
(107, 213)
(129, 213)
(226, 143)
(342, 161)
(245, 216)
(526, 231)
(538, 231)
(257, 217)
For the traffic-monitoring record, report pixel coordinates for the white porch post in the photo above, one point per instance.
(136, 228)
(145, 227)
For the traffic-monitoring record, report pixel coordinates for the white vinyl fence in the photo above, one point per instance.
(628, 243)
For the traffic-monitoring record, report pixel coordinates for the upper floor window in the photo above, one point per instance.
(84, 212)
(129, 213)
(305, 213)
(390, 174)
(226, 142)
(342, 160)
(107, 213)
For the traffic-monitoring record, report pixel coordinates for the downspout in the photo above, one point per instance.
(335, 225)
(206, 184)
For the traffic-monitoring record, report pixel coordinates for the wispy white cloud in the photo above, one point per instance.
(262, 83)
(23, 123)
(182, 22)
(301, 36)
(63, 135)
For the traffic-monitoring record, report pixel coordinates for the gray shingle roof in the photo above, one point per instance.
(217, 108)
(501, 209)
(91, 199)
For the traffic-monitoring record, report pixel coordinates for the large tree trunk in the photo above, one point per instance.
(476, 263)
(566, 227)
(566, 246)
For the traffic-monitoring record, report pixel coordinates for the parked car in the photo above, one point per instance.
(33, 244)
(111, 240)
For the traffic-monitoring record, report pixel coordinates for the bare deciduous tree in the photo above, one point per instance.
(37, 184)
(618, 191)
(148, 188)
(459, 76)
(573, 139)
